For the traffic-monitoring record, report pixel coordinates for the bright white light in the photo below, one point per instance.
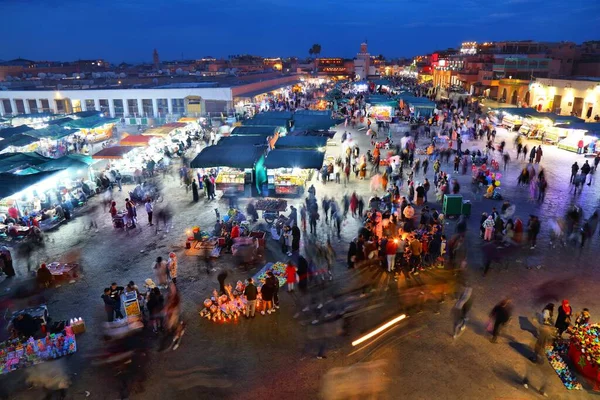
(378, 330)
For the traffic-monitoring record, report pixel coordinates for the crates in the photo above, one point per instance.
(452, 204)
(466, 208)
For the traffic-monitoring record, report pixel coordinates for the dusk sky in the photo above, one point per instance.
(128, 30)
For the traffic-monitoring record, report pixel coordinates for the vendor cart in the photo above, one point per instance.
(271, 208)
(131, 304)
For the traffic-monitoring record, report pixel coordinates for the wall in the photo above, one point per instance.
(575, 95)
(267, 84)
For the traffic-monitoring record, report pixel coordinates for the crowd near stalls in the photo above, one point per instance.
(59, 136)
(566, 132)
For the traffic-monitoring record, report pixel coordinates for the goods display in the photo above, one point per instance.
(230, 177)
(587, 339)
(230, 306)
(278, 270)
(230, 180)
(15, 354)
(584, 351)
(555, 355)
(271, 204)
(225, 307)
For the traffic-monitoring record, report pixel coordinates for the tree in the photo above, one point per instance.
(311, 52)
(316, 50)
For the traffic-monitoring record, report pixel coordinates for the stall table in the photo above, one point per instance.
(584, 352)
(64, 271)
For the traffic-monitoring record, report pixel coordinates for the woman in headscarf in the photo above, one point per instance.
(563, 320)
(172, 266)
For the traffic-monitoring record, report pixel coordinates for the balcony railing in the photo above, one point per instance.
(529, 67)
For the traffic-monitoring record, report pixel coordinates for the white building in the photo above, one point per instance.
(191, 99)
(579, 97)
(362, 63)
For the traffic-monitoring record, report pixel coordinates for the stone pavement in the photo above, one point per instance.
(265, 355)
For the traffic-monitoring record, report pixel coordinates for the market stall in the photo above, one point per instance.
(166, 129)
(235, 165)
(584, 351)
(19, 354)
(19, 142)
(94, 128)
(137, 140)
(232, 304)
(288, 170)
(302, 142)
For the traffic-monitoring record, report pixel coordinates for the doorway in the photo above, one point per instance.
(514, 98)
(578, 106)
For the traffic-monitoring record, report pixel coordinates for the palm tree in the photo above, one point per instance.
(316, 49)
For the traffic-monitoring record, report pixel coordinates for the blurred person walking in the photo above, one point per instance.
(461, 310)
(499, 316)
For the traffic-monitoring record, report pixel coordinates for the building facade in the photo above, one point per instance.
(578, 97)
(173, 100)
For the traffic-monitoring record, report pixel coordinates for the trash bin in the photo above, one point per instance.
(452, 204)
(466, 208)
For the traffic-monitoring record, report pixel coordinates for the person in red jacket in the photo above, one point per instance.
(390, 251)
(290, 274)
(235, 231)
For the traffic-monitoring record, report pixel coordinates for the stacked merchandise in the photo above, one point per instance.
(15, 354)
(555, 355)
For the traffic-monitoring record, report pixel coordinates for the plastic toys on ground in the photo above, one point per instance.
(555, 356)
(17, 355)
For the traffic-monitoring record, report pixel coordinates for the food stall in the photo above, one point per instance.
(571, 142)
(94, 128)
(166, 129)
(235, 164)
(138, 140)
(589, 132)
(288, 170)
(20, 142)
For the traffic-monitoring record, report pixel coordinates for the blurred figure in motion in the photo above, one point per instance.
(52, 377)
(174, 326)
(163, 214)
(461, 310)
(500, 314)
(545, 337)
(359, 381)
(123, 353)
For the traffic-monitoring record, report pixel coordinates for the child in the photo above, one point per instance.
(290, 274)
(443, 252)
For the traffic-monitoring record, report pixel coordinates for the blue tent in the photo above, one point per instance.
(12, 161)
(240, 157)
(53, 132)
(249, 140)
(78, 161)
(18, 140)
(11, 183)
(254, 131)
(8, 132)
(294, 158)
(301, 142)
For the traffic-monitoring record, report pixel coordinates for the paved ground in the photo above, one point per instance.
(273, 354)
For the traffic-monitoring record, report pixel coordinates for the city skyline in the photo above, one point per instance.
(278, 28)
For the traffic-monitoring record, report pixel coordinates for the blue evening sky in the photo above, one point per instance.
(128, 30)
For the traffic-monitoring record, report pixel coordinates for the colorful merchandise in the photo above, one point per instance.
(15, 354)
(555, 355)
(278, 270)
